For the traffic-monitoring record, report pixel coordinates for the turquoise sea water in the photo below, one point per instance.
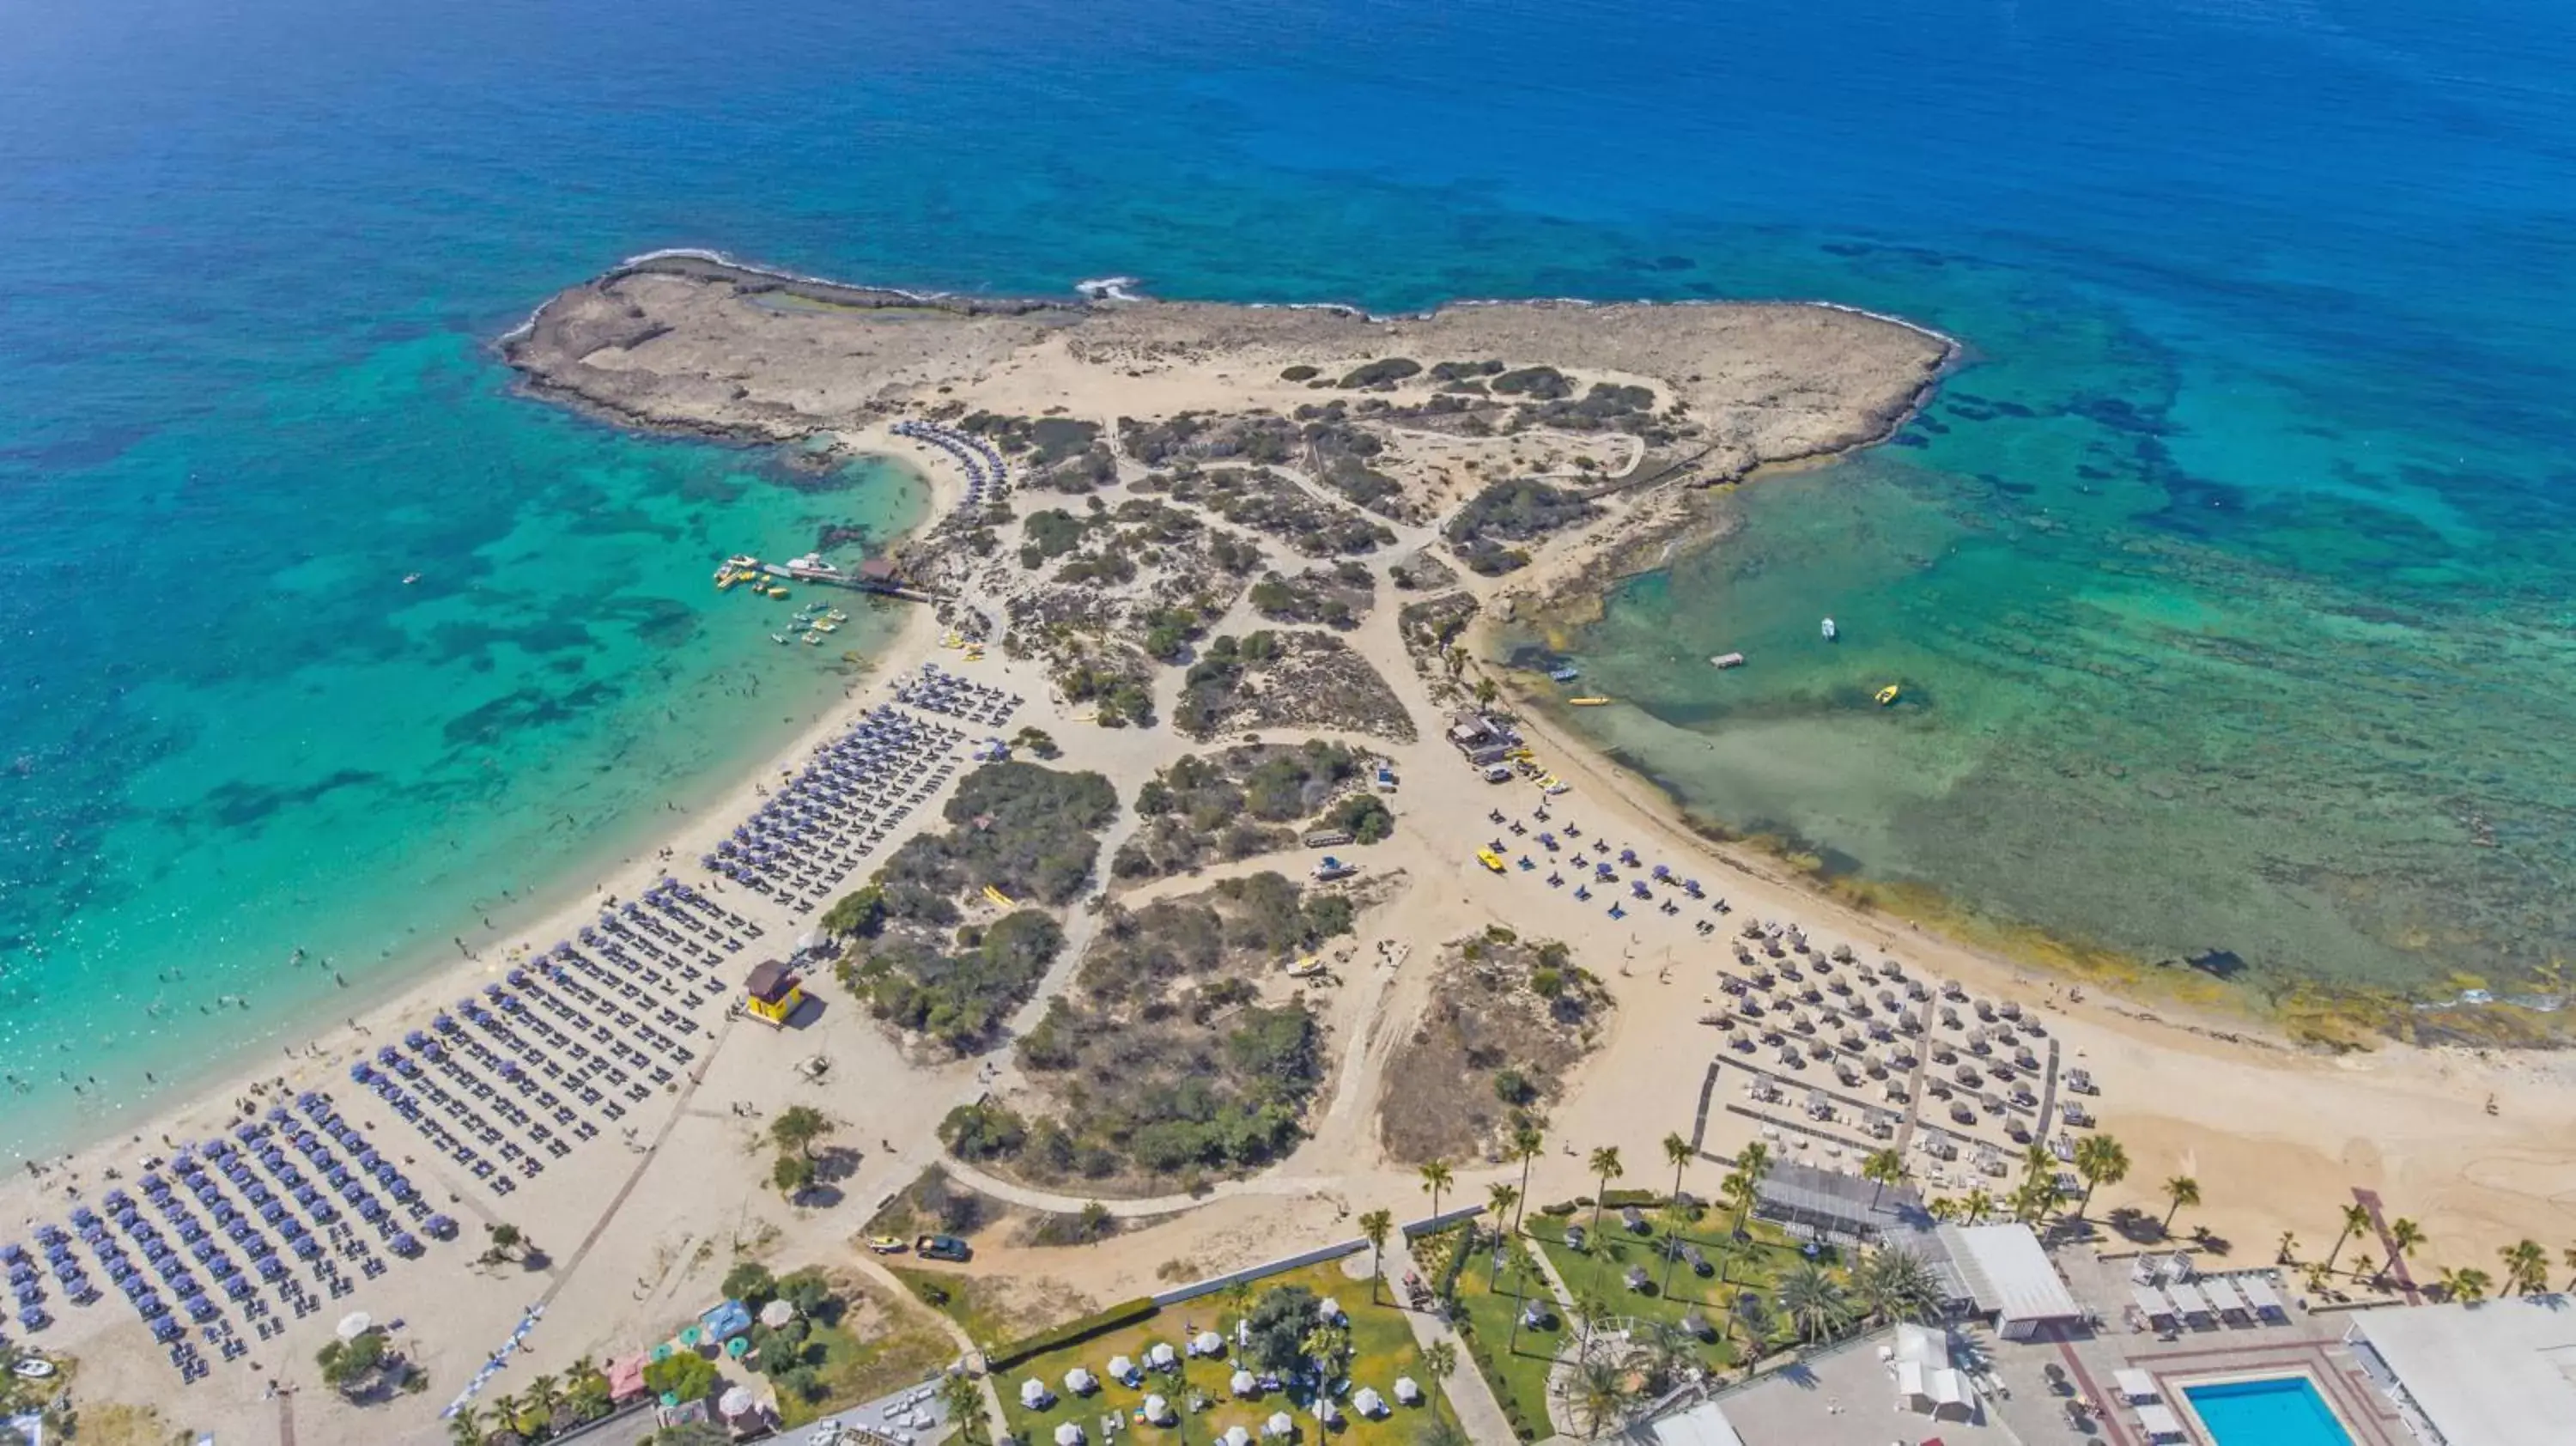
(2230, 580)
(2283, 1411)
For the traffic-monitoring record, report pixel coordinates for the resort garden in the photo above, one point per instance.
(1267, 1337)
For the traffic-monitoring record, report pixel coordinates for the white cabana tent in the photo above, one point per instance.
(2222, 1295)
(1331, 1310)
(2152, 1304)
(1244, 1385)
(2187, 1299)
(1158, 1410)
(1034, 1394)
(2259, 1294)
(1122, 1370)
(1209, 1343)
(1368, 1402)
(776, 1314)
(1068, 1434)
(1160, 1356)
(1282, 1424)
(1081, 1382)
(735, 1402)
(1926, 1383)
(1237, 1436)
(2160, 1424)
(1407, 1392)
(2135, 1386)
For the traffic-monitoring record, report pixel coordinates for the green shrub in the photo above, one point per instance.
(1072, 1332)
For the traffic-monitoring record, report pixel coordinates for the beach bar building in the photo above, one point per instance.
(773, 993)
(2010, 1278)
(2496, 1373)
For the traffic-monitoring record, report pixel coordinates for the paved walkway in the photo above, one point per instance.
(1479, 1414)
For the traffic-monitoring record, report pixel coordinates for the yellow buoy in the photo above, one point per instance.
(1887, 695)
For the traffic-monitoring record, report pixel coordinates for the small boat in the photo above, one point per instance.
(778, 592)
(813, 640)
(1887, 695)
(1727, 660)
(1566, 674)
(409, 578)
(1591, 702)
(1830, 631)
(779, 638)
(1306, 968)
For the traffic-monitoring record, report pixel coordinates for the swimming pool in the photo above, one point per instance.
(2275, 1411)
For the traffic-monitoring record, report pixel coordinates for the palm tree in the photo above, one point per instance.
(1977, 1206)
(1677, 1153)
(1440, 1360)
(2567, 1258)
(2526, 1267)
(2099, 1161)
(466, 1427)
(1753, 1164)
(2287, 1251)
(505, 1414)
(1499, 1198)
(1377, 1225)
(1896, 1284)
(2356, 1219)
(2181, 1190)
(2467, 1285)
(2365, 1266)
(1605, 1164)
(1814, 1302)
(1751, 1312)
(1883, 1168)
(1597, 1395)
(2405, 1237)
(965, 1406)
(1527, 1142)
(544, 1394)
(2038, 1183)
(1436, 1179)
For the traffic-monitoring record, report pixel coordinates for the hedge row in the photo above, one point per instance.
(1610, 1200)
(1072, 1332)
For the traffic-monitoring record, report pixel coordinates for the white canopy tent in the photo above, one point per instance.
(2160, 1424)
(2135, 1386)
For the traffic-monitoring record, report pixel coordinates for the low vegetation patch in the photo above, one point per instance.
(1507, 1019)
(1262, 501)
(1520, 510)
(1026, 831)
(1182, 1052)
(1287, 679)
(1337, 597)
(1234, 803)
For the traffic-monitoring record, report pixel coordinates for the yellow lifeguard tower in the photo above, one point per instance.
(774, 993)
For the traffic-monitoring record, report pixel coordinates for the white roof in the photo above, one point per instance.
(2222, 1293)
(2134, 1384)
(2151, 1301)
(1919, 1345)
(2187, 1298)
(2500, 1373)
(2258, 1293)
(1701, 1425)
(2159, 1422)
(2008, 1273)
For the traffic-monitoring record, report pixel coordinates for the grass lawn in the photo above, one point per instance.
(972, 1303)
(1382, 1349)
(1597, 1272)
(1514, 1364)
(897, 1349)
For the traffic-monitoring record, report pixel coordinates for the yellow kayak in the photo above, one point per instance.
(1587, 702)
(1887, 695)
(1490, 859)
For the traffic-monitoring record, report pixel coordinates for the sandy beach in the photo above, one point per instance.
(637, 1227)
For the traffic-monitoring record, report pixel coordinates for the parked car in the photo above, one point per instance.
(942, 1247)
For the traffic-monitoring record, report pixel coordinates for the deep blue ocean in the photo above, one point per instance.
(2231, 580)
